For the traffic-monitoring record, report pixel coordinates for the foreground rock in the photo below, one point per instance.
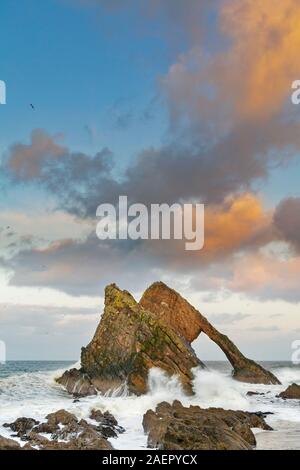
(8, 444)
(77, 383)
(128, 342)
(64, 432)
(174, 427)
(251, 393)
(21, 426)
(107, 423)
(292, 392)
(167, 304)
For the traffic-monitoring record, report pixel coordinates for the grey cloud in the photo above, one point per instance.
(227, 318)
(83, 266)
(180, 171)
(287, 221)
(31, 331)
(76, 180)
(26, 162)
(264, 329)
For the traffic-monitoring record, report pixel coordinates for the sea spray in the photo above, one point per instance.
(214, 389)
(35, 394)
(287, 375)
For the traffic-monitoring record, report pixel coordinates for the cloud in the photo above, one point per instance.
(262, 61)
(236, 224)
(229, 125)
(287, 221)
(228, 318)
(31, 331)
(26, 162)
(82, 266)
(251, 77)
(266, 277)
(85, 264)
(230, 122)
(264, 329)
(78, 181)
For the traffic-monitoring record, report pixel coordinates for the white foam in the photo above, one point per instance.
(288, 375)
(214, 389)
(36, 394)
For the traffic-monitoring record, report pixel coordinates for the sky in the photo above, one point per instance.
(164, 101)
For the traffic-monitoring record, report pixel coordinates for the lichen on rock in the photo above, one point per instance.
(166, 303)
(133, 337)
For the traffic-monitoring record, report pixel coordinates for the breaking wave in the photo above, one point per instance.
(35, 394)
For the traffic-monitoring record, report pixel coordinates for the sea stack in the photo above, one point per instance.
(133, 337)
(129, 341)
(166, 303)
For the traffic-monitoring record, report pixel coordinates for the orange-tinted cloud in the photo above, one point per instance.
(237, 223)
(252, 76)
(266, 276)
(26, 161)
(263, 59)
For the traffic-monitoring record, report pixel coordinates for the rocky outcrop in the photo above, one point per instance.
(8, 444)
(167, 304)
(21, 426)
(174, 427)
(251, 393)
(77, 383)
(291, 393)
(106, 423)
(132, 338)
(63, 431)
(129, 341)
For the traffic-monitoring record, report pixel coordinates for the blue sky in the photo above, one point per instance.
(192, 101)
(93, 75)
(80, 70)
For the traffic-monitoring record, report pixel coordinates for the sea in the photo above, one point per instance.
(28, 388)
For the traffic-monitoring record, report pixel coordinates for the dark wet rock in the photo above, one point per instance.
(21, 426)
(264, 414)
(65, 432)
(77, 382)
(108, 425)
(103, 418)
(72, 436)
(61, 417)
(46, 428)
(36, 439)
(251, 394)
(8, 444)
(88, 439)
(174, 427)
(28, 446)
(291, 393)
